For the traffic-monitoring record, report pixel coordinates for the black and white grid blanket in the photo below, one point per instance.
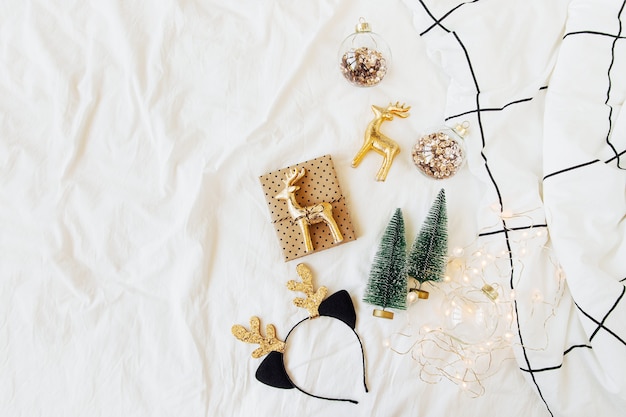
(543, 84)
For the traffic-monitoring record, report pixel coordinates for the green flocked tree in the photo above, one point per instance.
(428, 255)
(387, 285)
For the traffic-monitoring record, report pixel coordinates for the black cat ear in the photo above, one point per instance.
(272, 371)
(339, 305)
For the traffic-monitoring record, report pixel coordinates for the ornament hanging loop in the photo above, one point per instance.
(363, 26)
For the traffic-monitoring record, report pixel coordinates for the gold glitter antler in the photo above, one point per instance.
(313, 298)
(266, 344)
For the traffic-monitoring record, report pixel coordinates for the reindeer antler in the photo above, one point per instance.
(398, 107)
(266, 344)
(294, 175)
(313, 298)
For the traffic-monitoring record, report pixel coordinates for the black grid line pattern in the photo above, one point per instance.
(615, 157)
(593, 32)
(438, 21)
(532, 226)
(569, 349)
(505, 230)
(488, 109)
(606, 316)
(584, 164)
(615, 37)
(551, 368)
(608, 93)
(600, 326)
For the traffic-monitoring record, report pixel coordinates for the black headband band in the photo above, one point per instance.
(272, 371)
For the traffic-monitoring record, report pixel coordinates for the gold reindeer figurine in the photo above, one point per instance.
(376, 141)
(305, 216)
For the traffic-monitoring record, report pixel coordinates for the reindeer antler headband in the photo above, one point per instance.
(272, 370)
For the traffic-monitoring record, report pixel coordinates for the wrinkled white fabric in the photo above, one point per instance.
(134, 232)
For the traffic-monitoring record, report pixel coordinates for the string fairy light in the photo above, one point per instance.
(477, 325)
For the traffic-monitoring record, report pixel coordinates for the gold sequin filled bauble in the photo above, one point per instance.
(364, 56)
(441, 154)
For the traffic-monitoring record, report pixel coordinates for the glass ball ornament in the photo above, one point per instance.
(441, 154)
(364, 56)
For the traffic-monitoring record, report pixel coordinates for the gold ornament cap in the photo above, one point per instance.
(363, 26)
(382, 314)
(462, 128)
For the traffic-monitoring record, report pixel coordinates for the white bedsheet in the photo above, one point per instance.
(134, 232)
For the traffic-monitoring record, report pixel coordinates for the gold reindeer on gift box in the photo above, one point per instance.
(377, 141)
(305, 216)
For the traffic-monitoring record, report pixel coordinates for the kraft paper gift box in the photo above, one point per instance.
(318, 185)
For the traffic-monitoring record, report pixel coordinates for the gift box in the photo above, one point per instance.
(307, 196)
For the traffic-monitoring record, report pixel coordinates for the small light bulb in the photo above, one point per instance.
(506, 214)
(512, 295)
(508, 335)
(447, 278)
(412, 297)
(458, 251)
(559, 274)
(386, 343)
(426, 329)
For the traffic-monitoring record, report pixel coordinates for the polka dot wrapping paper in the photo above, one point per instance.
(319, 184)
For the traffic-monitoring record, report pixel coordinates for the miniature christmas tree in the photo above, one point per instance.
(387, 285)
(427, 258)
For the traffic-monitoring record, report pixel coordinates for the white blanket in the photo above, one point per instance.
(134, 231)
